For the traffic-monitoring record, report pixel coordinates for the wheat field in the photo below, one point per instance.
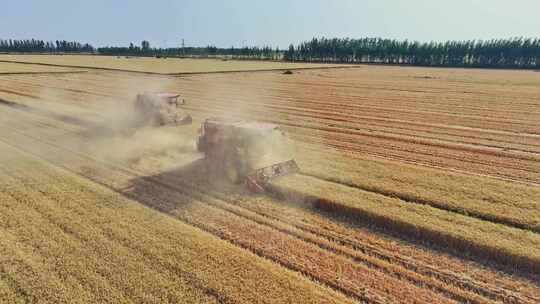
(417, 185)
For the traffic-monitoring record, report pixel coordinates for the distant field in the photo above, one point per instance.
(154, 65)
(14, 68)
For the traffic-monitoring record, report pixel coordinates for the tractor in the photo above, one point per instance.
(252, 153)
(159, 109)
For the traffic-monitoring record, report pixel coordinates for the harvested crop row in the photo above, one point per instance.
(403, 143)
(317, 122)
(498, 201)
(344, 238)
(354, 84)
(400, 131)
(483, 239)
(452, 120)
(445, 95)
(131, 224)
(239, 99)
(442, 133)
(413, 155)
(200, 93)
(310, 100)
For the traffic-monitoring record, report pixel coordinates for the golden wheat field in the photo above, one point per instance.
(417, 185)
(154, 65)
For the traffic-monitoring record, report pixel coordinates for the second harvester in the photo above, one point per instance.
(250, 152)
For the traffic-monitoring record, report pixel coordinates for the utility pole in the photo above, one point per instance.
(183, 48)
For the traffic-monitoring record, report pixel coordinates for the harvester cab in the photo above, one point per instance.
(160, 109)
(250, 152)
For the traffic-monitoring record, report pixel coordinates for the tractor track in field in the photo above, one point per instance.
(361, 156)
(338, 118)
(426, 270)
(392, 155)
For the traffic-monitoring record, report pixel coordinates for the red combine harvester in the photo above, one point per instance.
(249, 152)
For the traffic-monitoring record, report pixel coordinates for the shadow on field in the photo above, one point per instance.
(168, 191)
(176, 189)
(404, 235)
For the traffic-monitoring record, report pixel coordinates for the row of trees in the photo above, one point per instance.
(511, 53)
(514, 52)
(266, 52)
(40, 46)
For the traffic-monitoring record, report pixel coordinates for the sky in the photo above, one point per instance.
(276, 23)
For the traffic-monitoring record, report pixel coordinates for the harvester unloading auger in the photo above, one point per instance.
(159, 109)
(245, 152)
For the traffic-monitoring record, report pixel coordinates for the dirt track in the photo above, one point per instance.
(384, 113)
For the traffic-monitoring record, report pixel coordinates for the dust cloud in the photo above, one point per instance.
(103, 125)
(246, 103)
(105, 121)
(271, 149)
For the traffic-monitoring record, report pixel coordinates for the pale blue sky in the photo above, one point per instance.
(276, 22)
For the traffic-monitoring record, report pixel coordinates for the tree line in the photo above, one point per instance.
(262, 53)
(40, 46)
(144, 49)
(503, 53)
